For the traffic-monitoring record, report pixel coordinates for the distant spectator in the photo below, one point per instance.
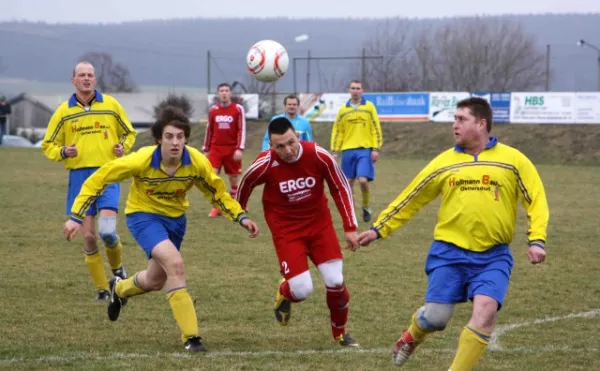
(4, 112)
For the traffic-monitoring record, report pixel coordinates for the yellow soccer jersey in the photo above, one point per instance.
(356, 128)
(153, 190)
(95, 131)
(479, 198)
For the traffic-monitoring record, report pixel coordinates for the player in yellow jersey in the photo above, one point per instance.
(156, 205)
(357, 134)
(480, 181)
(86, 132)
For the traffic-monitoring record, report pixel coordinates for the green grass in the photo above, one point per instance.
(48, 320)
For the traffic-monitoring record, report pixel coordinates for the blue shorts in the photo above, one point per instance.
(151, 229)
(357, 162)
(108, 200)
(457, 275)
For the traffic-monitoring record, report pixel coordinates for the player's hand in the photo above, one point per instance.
(351, 241)
(375, 156)
(335, 156)
(71, 151)
(237, 155)
(366, 237)
(70, 229)
(251, 227)
(119, 150)
(536, 254)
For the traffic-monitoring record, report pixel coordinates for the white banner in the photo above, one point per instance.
(542, 108)
(249, 101)
(442, 105)
(587, 108)
(322, 107)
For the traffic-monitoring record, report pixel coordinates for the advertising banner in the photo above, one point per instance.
(322, 107)
(400, 106)
(500, 103)
(442, 105)
(587, 108)
(542, 108)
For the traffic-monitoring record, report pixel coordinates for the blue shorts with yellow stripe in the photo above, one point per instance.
(108, 200)
(456, 275)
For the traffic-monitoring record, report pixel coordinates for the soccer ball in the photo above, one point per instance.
(267, 60)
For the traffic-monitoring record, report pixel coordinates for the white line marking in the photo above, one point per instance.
(503, 329)
(68, 358)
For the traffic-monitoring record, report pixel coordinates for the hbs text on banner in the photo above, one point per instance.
(500, 103)
(542, 108)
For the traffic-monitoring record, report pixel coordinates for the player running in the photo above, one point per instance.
(225, 139)
(156, 205)
(86, 132)
(356, 132)
(481, 181)
(296, 211)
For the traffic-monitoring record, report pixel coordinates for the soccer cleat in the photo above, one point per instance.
(214, 212)
(116, 302)
(120, 272)
(366, 214)
(282, 307)
(404, 347)
(346, 340)
(194, 344)
(102, 295)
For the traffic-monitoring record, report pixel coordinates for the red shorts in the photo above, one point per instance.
(220, 156)
(320, 247)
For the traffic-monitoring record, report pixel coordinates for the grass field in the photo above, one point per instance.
(48, 320)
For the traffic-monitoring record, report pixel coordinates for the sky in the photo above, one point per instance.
(77, 11)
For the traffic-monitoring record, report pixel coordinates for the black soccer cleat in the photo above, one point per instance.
(102, 295)
(116, 303)
(120, 272)
(346, 340)
(194, 344)
(366, 214)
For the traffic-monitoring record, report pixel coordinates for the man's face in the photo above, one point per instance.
(291, 106)
(356, 90)
(172, 142)
(286, 145)
(467, 128)
(84, 79)
(224, 94)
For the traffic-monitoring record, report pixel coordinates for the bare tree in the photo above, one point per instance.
(111, 77)
(466, 54)
(396, 71)
(253, 86)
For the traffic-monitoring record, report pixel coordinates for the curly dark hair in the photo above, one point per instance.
(174, 116)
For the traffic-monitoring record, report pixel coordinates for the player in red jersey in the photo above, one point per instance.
(226, 138)
(294, 174)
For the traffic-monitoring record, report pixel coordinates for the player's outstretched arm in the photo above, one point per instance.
(252, 177)
(533, 198)
(126, 131)
(424, 188)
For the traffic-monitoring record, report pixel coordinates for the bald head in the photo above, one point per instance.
(84, 79)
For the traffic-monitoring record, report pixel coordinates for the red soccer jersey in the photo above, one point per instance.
(226, 127)
(293, 196)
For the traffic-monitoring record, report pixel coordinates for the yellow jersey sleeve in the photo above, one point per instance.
(53, 145)
(114, 171)
(376, 132)
(424, 188)
(214, 190)
(337, 133)
(533, 197)
(126, 131)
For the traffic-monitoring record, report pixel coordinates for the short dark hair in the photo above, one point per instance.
(355, 81)
(280, 126)
(222, 85)
(480, 108)
(291, 96)
(174, 116)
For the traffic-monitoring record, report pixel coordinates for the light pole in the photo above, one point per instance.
(582, 43)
